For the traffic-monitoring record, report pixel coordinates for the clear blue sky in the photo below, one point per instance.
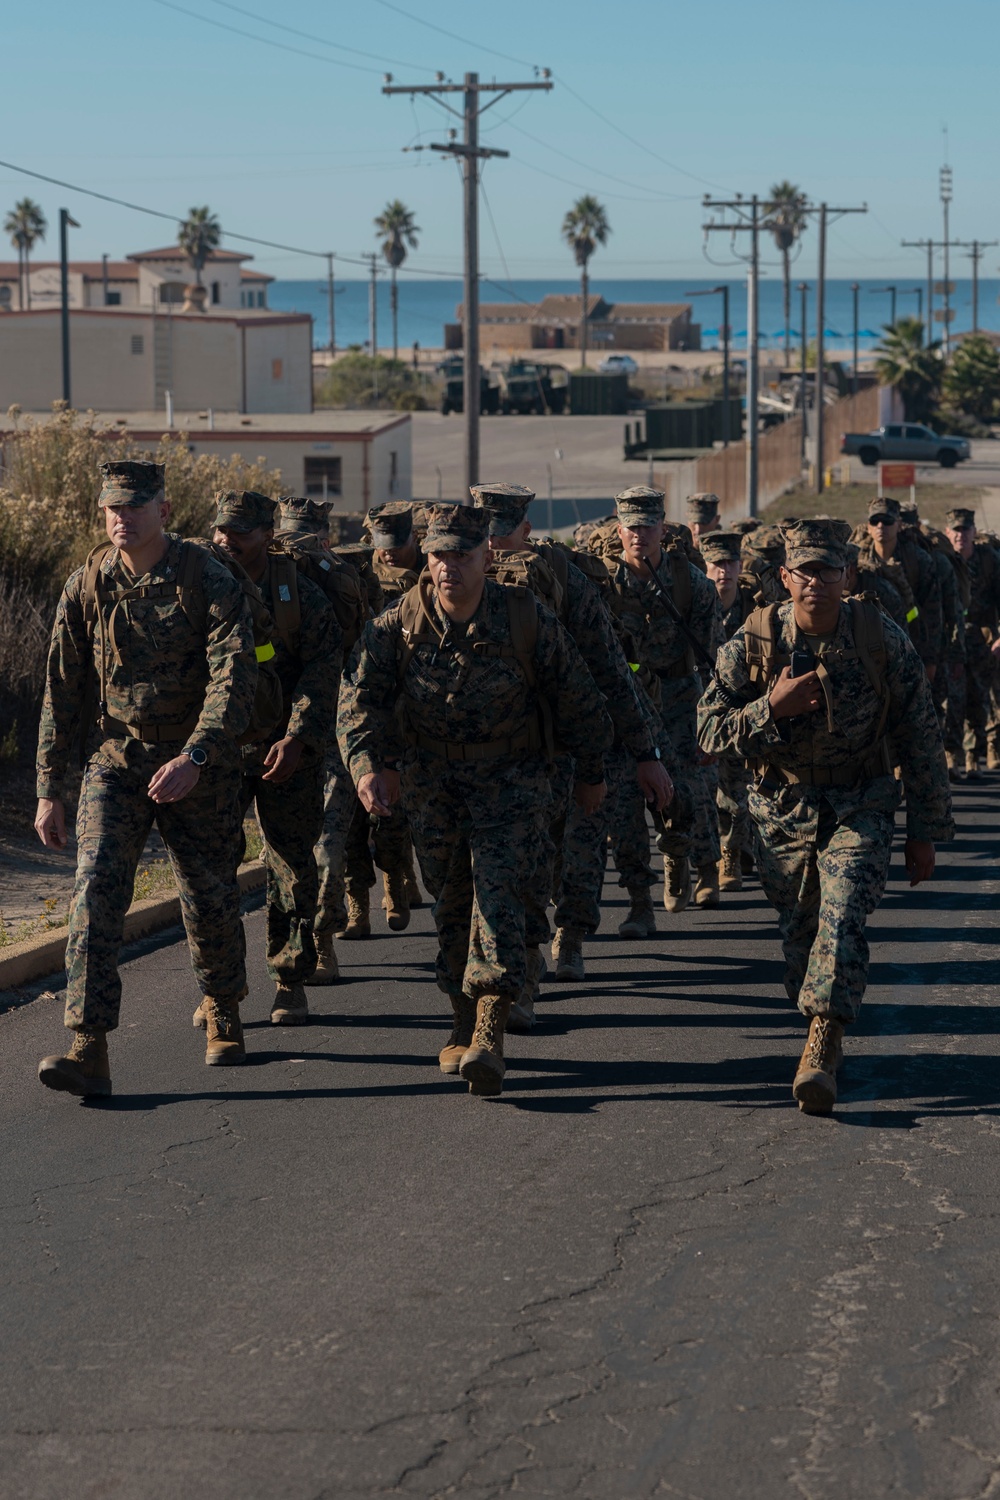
(847, 100)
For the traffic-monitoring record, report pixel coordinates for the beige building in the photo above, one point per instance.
(146, 279)
(129, 359)
(554, 323)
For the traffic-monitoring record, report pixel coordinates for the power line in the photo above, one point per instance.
(265, 41)
(493, 226)
(442, 31)
(636, 186)
(310, 36)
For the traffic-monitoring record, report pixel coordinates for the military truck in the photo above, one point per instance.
(453, 392)
(528, 388)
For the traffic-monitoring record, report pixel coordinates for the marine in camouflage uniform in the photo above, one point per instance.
(948, 687)
(177, 694)
(453, 706)
(867, 580)
(661, 647)
(824, 798)
(886, 549)
(982, 640)
(701, 512)
(283, 777)
(739, 595)
(573, 843)
(299, 517)
(397, 562)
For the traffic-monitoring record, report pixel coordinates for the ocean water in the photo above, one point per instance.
(426, 305)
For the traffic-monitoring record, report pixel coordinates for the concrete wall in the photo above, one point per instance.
(278, 366)
(106, 374)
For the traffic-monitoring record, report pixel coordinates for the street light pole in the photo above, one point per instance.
(65, 222)
(946, 196)
(803, 390)
(329, 302)
(723, 292)
(855, 288)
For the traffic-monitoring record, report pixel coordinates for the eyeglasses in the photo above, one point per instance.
(825, 575)
(883, 520)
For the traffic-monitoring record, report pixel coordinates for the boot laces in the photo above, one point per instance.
(822, 1043)
(86, 1046)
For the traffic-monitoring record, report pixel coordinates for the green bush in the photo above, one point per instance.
(352, 380)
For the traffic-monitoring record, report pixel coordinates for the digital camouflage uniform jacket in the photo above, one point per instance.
(160, 668)
(658, 639)
(806, 740)
(310, 676)
(449, 693)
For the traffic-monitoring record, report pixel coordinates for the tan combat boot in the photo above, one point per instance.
(200, 1017)
(992, 756)
(676, 882)
(641, 919)
(706, 891)
(458, 1044)
(815, 1085)
(483, 1066)
(290, 1007)
(414, 899)
(954, 769)
(522, 1012)
(223, 1033)
(397, 908)
(358, 922)
(84, 1070)
(567, 952)
(971, 765)
(730, 870)
(327, 970)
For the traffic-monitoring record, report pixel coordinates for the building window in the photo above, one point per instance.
(277, 369)
(171, 291)
(216, 298)
(137, 343)
(113, 299)
(322, 476)
(260, 299)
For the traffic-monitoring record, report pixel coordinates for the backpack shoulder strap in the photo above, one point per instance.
(91, 584)
(285, 605)
(415, 625)
(869, 642)
(681, 570)
(522, 617)
(760, 632)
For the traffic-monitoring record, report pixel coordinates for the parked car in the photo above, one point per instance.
(618, 364)
(906, 443)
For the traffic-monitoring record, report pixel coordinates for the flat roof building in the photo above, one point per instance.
(554, 323)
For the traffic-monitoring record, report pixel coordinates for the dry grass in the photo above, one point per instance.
(850, 501)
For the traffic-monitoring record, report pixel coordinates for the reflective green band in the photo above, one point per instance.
(911, 615)
(265, 652)
(634, 665)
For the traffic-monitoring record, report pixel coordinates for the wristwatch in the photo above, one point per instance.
(653, 755)
(197, 756)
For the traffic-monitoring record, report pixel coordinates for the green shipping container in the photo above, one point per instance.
(598, 395)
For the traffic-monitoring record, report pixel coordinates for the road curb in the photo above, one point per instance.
(23, 962)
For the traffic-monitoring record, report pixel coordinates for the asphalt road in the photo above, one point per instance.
(333, 1275)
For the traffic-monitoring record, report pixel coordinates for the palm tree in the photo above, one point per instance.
(396, 227)
(584, 228)
(916, 372)
(26, 225)
(786, 219)
(198, 236)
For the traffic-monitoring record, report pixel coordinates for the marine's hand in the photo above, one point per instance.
(995, 648)
(793, 695)
(50, 822)
(655, 784)
(377, 793)
(918, 856)
(282, 760)
(172, 782)
(589, 797)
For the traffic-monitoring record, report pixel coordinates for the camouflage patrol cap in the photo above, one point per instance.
(960, 517)
(391, 525)
(640, 506)
(130, 481)
(883, 509)
(765, 541)
(506, 503)
(302, 517)
(702, 508)
(721, 546)
(815, 540)
(745, 525)
(853, 552)
(456, 528)
(909, 512)
(243, 510)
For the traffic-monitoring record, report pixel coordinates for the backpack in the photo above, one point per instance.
(359, 558)
(267, 710)
(765, 662)
(522, 618)
(531, 571)
(894, 569)
(338, 581)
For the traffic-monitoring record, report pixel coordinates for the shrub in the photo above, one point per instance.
(351, 382)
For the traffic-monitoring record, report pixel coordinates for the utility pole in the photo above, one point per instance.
(976, 248)
(804, 389)
(104, 276)
(855, 289)
(65, 222)
(469, 151)
(825, 212)
(329, 303)
(892, 290)
(946, 197)
(723, 292)
(749, 216)
(929, 246)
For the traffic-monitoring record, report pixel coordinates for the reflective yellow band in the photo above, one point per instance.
(634, 665)
(265, 652)
(911, 615)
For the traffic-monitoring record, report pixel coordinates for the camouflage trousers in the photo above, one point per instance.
(203, 835)
(628, 820)
(290, 814)
(475, 829)
(731, 802)
(581, 852)
(949, 693)
(979, 669)
(387, 838)
(825, 875)
(339, 802)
